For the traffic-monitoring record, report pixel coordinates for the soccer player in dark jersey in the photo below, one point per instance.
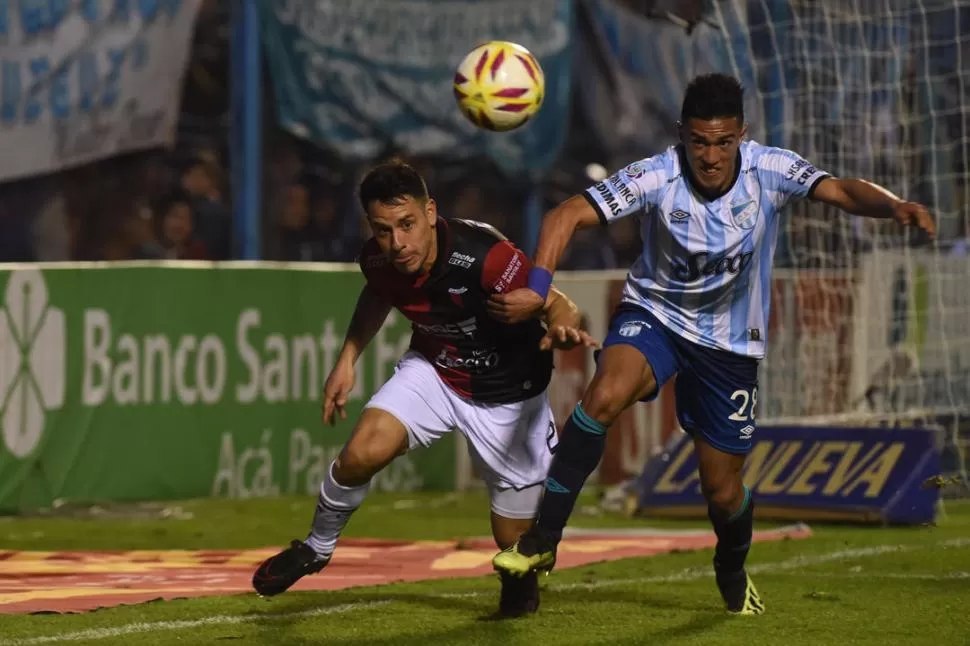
(464, 370)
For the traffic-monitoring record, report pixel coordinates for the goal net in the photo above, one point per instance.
(870, 322)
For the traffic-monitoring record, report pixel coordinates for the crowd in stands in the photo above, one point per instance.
(176, 204)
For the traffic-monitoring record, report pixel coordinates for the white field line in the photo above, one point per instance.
(684, 575)
(691, 574)
(188, 624)
(904, 576)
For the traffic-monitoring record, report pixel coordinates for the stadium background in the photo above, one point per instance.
(870, 324)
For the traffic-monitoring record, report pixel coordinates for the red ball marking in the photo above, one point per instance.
(510, 93)
(485, 122)
(480, 65)
(497, 63)
(527, 64)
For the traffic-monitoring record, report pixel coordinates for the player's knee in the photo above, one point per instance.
(723, 493)
(355, 466)
(368, 451)
(605, 399)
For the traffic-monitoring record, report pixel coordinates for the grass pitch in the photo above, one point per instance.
(845, 585)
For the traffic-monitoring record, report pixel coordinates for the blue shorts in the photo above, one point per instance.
(716, 391)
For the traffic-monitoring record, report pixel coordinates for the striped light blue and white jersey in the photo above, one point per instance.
(705, 270)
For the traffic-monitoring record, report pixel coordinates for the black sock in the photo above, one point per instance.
(733, 534)
(578, 453)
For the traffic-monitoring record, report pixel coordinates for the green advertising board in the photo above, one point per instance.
(159, 382)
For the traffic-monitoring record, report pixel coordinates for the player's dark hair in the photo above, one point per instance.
(713, 96)
(390, 183)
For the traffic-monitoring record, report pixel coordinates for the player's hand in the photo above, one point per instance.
(516, 306)
(562, 337)
(915, 214)
(336, 392)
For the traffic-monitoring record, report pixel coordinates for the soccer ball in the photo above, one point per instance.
(499, 86)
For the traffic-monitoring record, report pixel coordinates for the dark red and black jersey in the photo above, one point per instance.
(478, 357)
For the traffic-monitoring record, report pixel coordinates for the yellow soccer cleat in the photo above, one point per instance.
(739, 594)
(528, 554)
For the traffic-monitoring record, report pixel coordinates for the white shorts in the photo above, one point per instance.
(512, 444)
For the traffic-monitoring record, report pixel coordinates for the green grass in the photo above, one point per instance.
(910, 592)
(225, 524)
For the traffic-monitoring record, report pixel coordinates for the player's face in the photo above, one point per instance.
(712, 150)
(405, 233)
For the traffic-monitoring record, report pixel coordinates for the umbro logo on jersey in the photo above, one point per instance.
(679, 216)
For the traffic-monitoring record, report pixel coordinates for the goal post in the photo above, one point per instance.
(870, 320)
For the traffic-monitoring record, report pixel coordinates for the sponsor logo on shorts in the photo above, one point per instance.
(552, 436)
(747, 432)
(633, 328)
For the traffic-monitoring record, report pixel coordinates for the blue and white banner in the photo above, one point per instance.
(367, 76)
(867, 475)
(633, 71)
(83, 80)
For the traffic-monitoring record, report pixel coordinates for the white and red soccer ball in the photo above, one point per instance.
(499, 86)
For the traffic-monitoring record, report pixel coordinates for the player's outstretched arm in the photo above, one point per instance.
(861, 197)
(558, 226)
(369, 315)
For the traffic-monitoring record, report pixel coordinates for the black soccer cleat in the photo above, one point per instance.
(520, 595)
(278, 573)
(739, 593)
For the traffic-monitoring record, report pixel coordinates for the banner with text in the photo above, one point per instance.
(83, 81)
(147, 382)
(362, 78)
(867, 475)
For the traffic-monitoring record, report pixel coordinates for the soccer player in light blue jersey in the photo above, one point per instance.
(695, 305)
